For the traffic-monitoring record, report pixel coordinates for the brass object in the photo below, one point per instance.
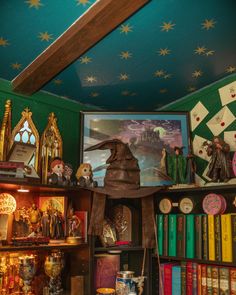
(53, 266)
(5, 132)
(73, 240)
(50, 145)
(26, 132)
(27, 270)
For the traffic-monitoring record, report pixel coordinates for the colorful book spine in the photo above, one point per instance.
(195, 278)
(204, 279)
(198, 236)
(165, 236)
(189, 278)
(181, 238)
(190, 236)
(205, 237)
(209, 280)
(160, 232)
(211, 237)
(224, 281)
(226, 238)
(218, 250)
(168, 278)
(161, 279)
(199, 279)
(232, 273)
(172, 234)
(215, 280)
(183, 277)
(176, 280)
(233, 226)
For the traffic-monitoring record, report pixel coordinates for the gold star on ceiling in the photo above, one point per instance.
(230, 69)
(125, 29)
(191, 88)
(197, 73)
(159, 73)
(164, 51)
(124, 77)
(82, 2)
(125, 54)
(3, 42)
(45, 36)
(16, 66)
(166, 27)
(34, 3)
(91, 79)
(209, 52)
(57, 81)
(94, 94)
(208, 24)
(163, 90)
(85, 60)
(200, 50)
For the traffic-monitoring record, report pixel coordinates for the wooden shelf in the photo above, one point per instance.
(201, 261)
(63, 246)
(121, 248)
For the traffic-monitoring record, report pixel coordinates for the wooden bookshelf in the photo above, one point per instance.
(121, 248)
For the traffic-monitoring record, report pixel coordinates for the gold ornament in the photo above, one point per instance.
(5, 132)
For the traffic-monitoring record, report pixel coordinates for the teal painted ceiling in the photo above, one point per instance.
(166, 50)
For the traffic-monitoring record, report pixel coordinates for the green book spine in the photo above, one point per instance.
(190, 236)
(165, 235)
(205, 237)
(218, 238)
(160, 231)
(172, 235)
(181, 239)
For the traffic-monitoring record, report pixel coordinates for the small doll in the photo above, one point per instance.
(84, 176)
(68, 171)
(57, 168)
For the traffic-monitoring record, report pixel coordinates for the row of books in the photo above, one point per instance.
(200, 236)
(188, 278)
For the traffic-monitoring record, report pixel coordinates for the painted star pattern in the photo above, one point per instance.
(125, 29)
(16, 66)
(166, 27)
(91, 79)
(34, 3)
(85, 60)
(3, 42)
(197, 74)
(123, 77)
(230, 69)
(208, 24)
(200, 50)
(191, 88)
(159, 73)
(125, 55)
(57, 81)
(45, 36)
(83, 2)
(94, 94)
(164, 51)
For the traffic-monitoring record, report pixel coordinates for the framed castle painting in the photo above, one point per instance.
(150, 137)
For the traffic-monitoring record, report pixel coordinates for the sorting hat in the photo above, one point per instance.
(122, 178)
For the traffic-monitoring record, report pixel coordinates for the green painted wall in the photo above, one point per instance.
(210, 98)
(41, 104)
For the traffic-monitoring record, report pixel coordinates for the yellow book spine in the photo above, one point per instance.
(211, 237)
(226, 235)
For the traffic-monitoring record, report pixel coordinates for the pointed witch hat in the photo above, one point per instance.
(122, 178)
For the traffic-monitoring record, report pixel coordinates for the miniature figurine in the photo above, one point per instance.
(84, 176)
(56, 225)
(163, 162)
(68, 173)
(190, 169)
(220, 168)
(45, 224)
(74, 226)
(177, 166)
(57, 169)
(34, 214)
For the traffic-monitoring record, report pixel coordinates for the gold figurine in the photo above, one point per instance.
(5, 132)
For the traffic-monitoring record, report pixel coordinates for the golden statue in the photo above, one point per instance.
(50, 145)
(5, 132)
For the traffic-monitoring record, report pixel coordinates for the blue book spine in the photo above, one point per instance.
(176, 280)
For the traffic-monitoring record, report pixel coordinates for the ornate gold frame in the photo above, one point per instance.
(51, 145)
(26, 116)
(5, 131)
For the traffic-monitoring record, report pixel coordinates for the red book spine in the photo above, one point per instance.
(199, 279)
(168, 279)
(233, 281)
(189, 284)
(204, 279)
